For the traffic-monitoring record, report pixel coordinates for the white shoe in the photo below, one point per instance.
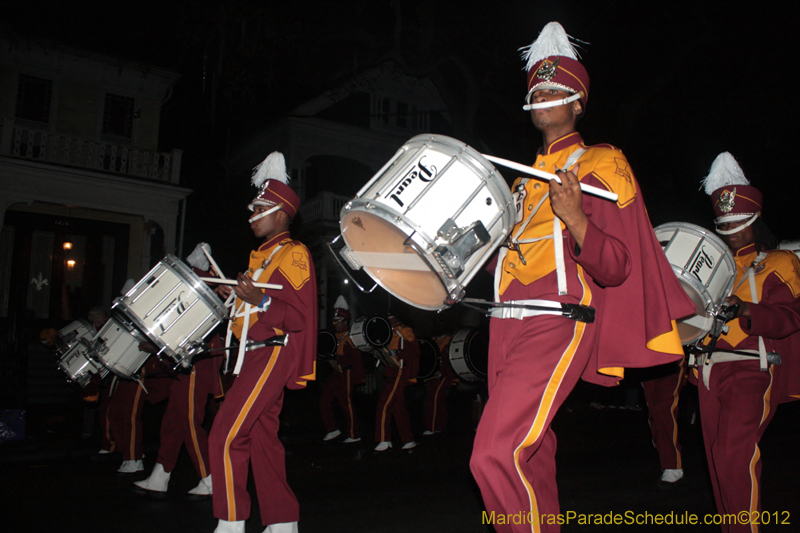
(383, 446)
(409, 445)
(131, 467)
(157, 482)
(427, 432)
(672, 475)
(203, 488)
(283, 527)
(103, 452)
(349, 440)
(223, 526)
(332, 435)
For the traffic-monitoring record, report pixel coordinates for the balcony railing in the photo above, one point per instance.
(323, 208)
(36, 145)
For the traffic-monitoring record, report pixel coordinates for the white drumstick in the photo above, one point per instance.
(588, 189)
(214, 264)
(224, 281)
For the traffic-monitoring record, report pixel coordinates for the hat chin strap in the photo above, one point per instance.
(552, 103)
(737, 229)
(262, 215)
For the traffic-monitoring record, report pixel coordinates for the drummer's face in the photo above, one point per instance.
(340, 325)
(740, 239)
(268, 226)
(559, 115)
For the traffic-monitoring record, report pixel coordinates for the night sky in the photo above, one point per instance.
(673, 83)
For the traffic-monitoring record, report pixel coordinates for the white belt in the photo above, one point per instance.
(706, 361)
(521, 312)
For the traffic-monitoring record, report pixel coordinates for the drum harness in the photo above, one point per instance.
(705, 360)
(520, 309)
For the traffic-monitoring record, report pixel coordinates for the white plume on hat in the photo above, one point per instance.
(341, 303)
(198, 258)
(552, 41)
(724, 171)
(272, 168)
(128, 286)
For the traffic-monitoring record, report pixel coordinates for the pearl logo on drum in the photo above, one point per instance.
(419, 171)
(703, 259)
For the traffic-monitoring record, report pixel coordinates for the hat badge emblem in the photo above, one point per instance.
(547, 70)
(727, 200)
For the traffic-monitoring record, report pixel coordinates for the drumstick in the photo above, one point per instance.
(588, 189)
(214, 264)
(224, 281)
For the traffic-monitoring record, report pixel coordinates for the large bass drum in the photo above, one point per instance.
(469, 354)
(705, 269)
(372, 332)
(426, 222)
(73, 344)
(173, 307)
(430, 360)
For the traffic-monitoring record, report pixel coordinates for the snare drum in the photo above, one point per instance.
(469, 354)
(425, 223)
(429, 359)
(173, 308)
(73, 342)
(371, 332)
(326, 345)
(706, 271)
(117, 349)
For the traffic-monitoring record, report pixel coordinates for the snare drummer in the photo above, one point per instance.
(566, 248)
(738, 388)
(348, 372)
(245, 431)
(436, 388)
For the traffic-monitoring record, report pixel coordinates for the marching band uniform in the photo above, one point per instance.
(536, 357)
(738, 393)
(392, 402)
(436, 388)
(245, 431)
(348, 373)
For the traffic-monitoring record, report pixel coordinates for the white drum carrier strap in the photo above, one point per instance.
(751, 278)
(519, 312)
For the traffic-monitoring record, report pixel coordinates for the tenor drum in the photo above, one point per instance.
(117, 349)
(371, 332)
(73, 343)
(429, 359)
(326, 345)
(469, 354)
(706, 270)
(173, 307)
(425, 223)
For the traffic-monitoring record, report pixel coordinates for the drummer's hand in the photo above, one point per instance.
(565, 200)
(224, 291)
(744, 307)
(248, 292)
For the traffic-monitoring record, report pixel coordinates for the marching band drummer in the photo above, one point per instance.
(182, 423)
(595, 255)
(738, 388)
(348, 372)
(401, 369)
(436, 387)
(245, 431)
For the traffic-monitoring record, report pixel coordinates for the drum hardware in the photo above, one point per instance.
(576, 312)
(469, 354)
(351, 264)
(430, 360)
(204, 348)
(588, 189)
(460, 244)
(326, 345)
(370, 333)
(73, 344)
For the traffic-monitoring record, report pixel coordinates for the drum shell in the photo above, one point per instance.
(469, 354)
(73, 343)
(173, 308)
(326, 344)
(430, 359)
(397, 217)
(705, 269)
(372, 332)
(117, 349)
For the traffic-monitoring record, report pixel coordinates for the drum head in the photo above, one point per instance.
(326, 344)
(396, 264)
(469, 354)
(429, 359)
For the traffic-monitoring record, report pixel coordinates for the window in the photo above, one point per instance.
(33, 99)
(118, 116)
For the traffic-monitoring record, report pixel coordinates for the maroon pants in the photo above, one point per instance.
(245, 432)
(183, 419)
(662, 395)
(392, 406)
(339, 388)
(534, 364)
(735, 410)
(436, 403)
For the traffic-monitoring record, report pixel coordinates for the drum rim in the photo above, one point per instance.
(437, 357)
(463, 335)
(361, 321)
